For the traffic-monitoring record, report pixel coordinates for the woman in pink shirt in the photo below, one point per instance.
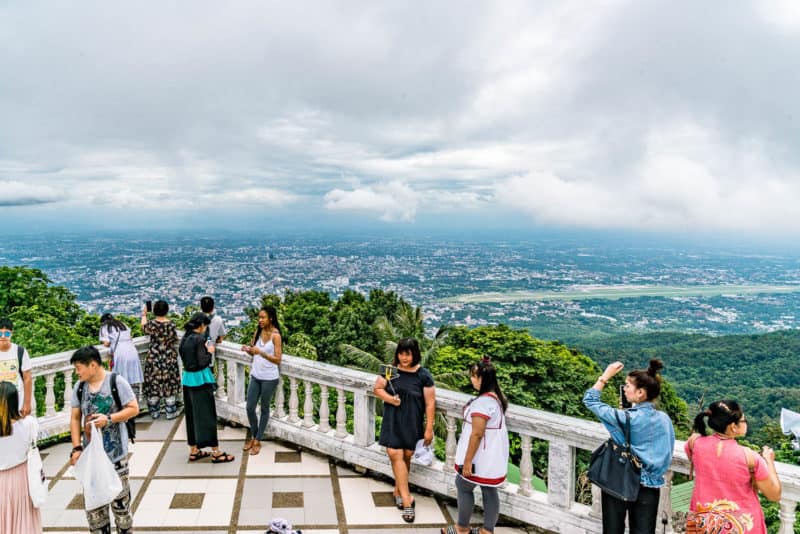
(728, 476)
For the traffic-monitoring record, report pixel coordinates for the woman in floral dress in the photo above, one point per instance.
(162, 379)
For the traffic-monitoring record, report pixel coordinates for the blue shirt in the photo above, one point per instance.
(652, 435)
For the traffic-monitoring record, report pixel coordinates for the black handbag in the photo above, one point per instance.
(614, 468)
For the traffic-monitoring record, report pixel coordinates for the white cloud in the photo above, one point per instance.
(13, 193)
(392, 201)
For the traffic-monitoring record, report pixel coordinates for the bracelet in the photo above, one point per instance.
(603, 380)
(77, 448)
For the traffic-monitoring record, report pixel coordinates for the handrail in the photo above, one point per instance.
(321, 425)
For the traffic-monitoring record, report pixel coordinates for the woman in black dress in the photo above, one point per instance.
(408, 414)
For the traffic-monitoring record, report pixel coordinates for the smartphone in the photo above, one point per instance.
(148, 304)
(623, 402)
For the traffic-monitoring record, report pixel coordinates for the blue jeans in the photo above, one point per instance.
(259, 390)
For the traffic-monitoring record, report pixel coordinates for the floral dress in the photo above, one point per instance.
(162, 379)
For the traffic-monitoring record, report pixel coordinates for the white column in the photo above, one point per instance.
(220, 377)
(308, 405)
(341, 414)
(50, 394)
(280, 410)
(67, 392)
(561, 474)
(294, 401)
(787, 516)
(363, 419)
(450, 444)
(324, 410)
(665, 505)
(525, 467)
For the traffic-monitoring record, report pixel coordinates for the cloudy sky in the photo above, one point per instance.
(612, 115)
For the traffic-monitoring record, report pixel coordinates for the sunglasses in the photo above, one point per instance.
(5, 334)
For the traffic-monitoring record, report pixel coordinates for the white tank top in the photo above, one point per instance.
(262, 368)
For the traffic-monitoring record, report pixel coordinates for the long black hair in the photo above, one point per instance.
(272, 314)
(111, 323)
(9, 407)
(486, 371)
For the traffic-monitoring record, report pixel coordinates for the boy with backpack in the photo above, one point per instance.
(15, 366)
(108, 401)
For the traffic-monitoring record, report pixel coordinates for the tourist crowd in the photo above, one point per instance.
(728, 476)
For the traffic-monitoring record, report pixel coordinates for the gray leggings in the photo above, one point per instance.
(466, 503)
(259, 390)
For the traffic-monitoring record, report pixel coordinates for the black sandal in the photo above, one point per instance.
(222, 458)
(409, 514)
(199, 455)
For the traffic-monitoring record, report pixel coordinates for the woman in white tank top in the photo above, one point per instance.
(264, 374)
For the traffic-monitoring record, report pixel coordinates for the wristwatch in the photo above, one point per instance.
(75, 449)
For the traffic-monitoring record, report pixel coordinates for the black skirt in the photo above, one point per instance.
(201, 416)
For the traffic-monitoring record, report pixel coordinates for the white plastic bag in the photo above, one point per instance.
(95, 472)
(37, 483)
(423, 454)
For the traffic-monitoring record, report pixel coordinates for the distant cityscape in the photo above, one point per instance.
(446, 278)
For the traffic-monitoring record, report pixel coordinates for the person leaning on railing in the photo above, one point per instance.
(652, 441)
(728, 476)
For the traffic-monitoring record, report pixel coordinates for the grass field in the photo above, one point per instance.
(622, 292)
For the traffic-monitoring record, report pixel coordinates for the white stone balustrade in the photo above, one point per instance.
(554, 510)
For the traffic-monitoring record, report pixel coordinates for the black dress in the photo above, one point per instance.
(403, 425)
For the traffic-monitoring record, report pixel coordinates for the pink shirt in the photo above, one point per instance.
(722, 490)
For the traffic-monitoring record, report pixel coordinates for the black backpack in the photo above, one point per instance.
(130, 424)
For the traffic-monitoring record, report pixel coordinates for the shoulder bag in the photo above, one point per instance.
(614, 468)
(37, 483)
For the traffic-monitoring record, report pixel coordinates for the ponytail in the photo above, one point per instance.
(720, 414)
(649, 379)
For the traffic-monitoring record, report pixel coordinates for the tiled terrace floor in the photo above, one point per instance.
(172, 495)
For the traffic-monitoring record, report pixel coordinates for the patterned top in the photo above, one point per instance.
(162, 377)
(723, 494)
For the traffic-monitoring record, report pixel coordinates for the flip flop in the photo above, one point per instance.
(222, 458)
(409, 514)
(199, 455)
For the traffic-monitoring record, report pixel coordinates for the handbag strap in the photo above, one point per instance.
(626, 428)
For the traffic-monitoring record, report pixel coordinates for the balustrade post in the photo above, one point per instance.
(787, 516)
(308, 405)
(597, 503)
(450, 444)
(280, 410)
(235, 383)
(220, 363)
(341, 414)
(363, 419)
(294, 401)
(324, 410)
(665, 504)
(525, 467)
(67, 408)
(561, 474)
(50, 394)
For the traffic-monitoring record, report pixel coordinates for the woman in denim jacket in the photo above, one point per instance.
(652, 440)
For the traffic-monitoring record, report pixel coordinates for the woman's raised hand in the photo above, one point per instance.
(768, 453)
(612, 369)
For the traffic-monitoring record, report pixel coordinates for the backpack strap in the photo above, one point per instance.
(81, 389)
(115, 391)
(20, 354)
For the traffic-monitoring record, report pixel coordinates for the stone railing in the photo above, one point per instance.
(311, 410)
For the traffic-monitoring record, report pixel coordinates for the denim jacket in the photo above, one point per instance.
(652, 435)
